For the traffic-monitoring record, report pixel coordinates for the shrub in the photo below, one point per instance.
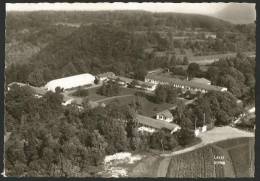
(81, 92)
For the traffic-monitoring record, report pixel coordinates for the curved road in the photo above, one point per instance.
(209, 137)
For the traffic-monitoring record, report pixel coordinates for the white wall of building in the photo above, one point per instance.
(70, 82)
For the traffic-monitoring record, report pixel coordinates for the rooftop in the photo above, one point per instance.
(161, 78)
(201, 80)
(145, 84)
(166, 113)
(124, 79)
(155, 70)
(158, 124)
(36, 90)
(106, 74)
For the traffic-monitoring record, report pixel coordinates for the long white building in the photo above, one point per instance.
(70, 82)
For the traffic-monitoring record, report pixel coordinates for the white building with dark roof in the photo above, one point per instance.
(156, 124)
(183, 84)
(70, 82)
(165, 115)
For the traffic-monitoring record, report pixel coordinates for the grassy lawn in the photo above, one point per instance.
(94, 96)
(148, 108)
(127, 91)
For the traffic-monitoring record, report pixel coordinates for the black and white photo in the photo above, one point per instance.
(130, 90)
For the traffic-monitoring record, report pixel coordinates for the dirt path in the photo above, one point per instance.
(163, 167)
(157, 165)
(214, 135)
(114, 97)
(209, 137)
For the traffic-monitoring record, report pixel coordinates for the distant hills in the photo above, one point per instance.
(237, 13)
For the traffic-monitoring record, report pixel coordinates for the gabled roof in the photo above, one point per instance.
(165, 113)
(201, 80)
(154, 123)
(155, 70)
(192, 84)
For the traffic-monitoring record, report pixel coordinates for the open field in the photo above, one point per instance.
(200, 162)
(125, 96)
(148, 108)
(181, 163)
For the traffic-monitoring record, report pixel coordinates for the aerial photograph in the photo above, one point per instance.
(130, 90)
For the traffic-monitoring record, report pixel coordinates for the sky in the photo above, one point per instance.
(197, 8)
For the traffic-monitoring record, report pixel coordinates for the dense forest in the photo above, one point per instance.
(218, 108)
(124, 42)
(237, 74)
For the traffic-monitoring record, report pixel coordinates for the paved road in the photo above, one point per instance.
(215, 135)
(209, 137)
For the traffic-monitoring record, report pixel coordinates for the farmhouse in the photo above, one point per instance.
(165, 115)
(156, 124)
(105, 76)
(183, 84)
(70, 82)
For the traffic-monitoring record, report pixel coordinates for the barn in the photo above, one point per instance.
(70, 82)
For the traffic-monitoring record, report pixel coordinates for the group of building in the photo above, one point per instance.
(162, 119)
(151, 81)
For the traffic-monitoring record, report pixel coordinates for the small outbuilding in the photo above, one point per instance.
(165, 115)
